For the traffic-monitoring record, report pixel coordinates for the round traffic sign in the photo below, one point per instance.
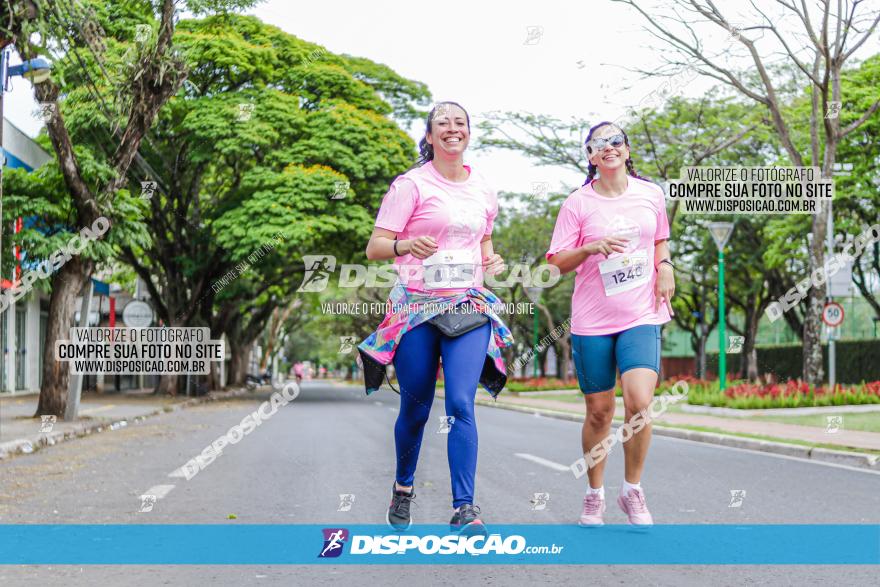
(137, 314)
(832, 314)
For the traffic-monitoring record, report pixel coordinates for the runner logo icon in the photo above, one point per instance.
(334, 539)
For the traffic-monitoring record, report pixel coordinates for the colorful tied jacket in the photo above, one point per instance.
(408, 309)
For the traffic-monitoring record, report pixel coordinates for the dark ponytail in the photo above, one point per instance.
(631, 169)
(426, 149)
(591, 173)
(591, 169)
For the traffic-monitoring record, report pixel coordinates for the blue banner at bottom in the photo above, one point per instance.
(238, 544)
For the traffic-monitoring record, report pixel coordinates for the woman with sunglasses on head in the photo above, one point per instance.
(436, 222)
(613, 232)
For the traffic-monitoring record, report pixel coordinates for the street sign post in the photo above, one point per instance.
(74, 384)
(721, 232)
(840, 284)
(832, 314)
(137, 314)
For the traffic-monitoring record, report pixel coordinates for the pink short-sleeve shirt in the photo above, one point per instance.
(457, 215)
(614, 294)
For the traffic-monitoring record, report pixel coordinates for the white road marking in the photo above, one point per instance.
(177, 473)
(159, 491)
(733, 448)
(541, 461)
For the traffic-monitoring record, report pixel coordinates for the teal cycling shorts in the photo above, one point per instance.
(598, 358)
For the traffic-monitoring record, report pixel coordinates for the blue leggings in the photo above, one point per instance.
(416, 361)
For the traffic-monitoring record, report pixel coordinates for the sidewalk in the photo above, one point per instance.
(735, 425)
(21, 433)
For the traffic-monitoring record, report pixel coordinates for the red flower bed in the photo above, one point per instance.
(795, 388)
(540, 383)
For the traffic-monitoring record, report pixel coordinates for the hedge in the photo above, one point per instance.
(857, 361)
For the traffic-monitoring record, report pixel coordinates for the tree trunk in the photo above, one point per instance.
(238, 356)
(701, 355)
(67, 283)
(748, 367)
(749, 353)
(753, 374)
(167, 385)
(213, 380)
(703, 335)
(565, 354)
(814, 372)
(267, 354)
(271, 335)
(703, 330)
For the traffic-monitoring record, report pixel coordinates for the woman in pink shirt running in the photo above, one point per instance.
(436, 222)
(613, 232)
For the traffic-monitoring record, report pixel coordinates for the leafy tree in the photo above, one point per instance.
(40, 197)
(522, 236)
(816, 49)
(856, 195)
(252, 151)
(857, 199)
(154, 75)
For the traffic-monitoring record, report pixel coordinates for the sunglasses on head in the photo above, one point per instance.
(615, 141)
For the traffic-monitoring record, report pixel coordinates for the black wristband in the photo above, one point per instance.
(396, 254)
(667, 261)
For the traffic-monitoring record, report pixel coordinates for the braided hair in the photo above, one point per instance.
(426, 149)
(591, 169)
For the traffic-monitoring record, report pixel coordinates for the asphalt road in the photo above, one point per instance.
(333, 440)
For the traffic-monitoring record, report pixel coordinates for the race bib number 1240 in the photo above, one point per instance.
(624, 272)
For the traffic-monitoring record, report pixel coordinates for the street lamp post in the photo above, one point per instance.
(721, 232)
(534, 294)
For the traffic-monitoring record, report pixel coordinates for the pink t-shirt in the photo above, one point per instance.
(458, 215)
(614, 294)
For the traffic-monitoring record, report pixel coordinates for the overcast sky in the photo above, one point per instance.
(553, 57)
(559, 58)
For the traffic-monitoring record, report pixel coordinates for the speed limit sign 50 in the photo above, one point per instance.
(832, 314)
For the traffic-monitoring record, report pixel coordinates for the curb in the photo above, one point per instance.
(807, 411)
(33, 443)
(839, 457)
